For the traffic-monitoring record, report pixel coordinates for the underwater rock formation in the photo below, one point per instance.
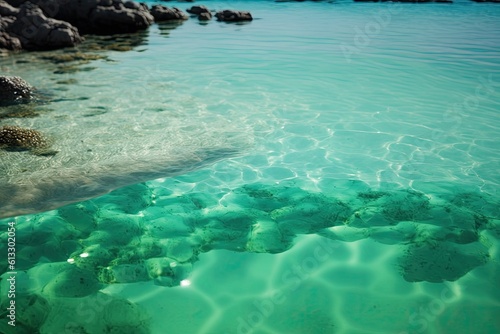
(162, 13)
(16, 138)
(14, 90)
(143, 233)
(228, 15)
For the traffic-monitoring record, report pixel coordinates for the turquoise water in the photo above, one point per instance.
(326, 168)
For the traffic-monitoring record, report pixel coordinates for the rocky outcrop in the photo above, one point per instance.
(197, 10)
(7, 10)
(205, 16)
(162, 13)
(105, 16)
(202, 12)
(14, 90)
(96, 16)
(233, 16)
(35, 31)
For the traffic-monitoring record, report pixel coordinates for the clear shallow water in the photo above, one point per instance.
(306, 118)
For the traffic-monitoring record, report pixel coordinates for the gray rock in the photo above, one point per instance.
(8, 42)
(96, 16)
(105, 16)
(35, 31)
(197, 10)
(14, 90)
(162, 13)
(7, 10)
(205, 16)
(228, 15)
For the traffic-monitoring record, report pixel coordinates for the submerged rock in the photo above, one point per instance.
(16, 138)
(14, 90)
(162, 13)
(228, 15)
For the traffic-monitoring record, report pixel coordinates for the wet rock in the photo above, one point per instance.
(16, 138)
(197, 10)
(162, 13)
(104, 16)
(14, 90)
(8, 42)
(35, 31)
(205, 16)
(7, 10)
(228, 15)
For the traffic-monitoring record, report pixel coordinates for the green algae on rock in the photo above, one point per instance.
(145, 234)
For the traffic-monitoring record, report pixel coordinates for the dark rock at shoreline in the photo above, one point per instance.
(96, 16)
(7, 17)
(14, 90)
(105, 16)
(228, 15)
(31, 29)
(205, 16)
(202, 12)
(162, 13)
(7, 10)
(9, 42)
(197, 10)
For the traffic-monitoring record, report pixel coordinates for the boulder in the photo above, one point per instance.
(228, 15)
(9, 42)
(14, 90)
(197, 10)
(7, 10)
(97, 16)
(105, 16)
(162, 13)
(205, 16)
(35, 31)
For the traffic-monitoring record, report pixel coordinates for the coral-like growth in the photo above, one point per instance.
(14, 90)
(14, 137)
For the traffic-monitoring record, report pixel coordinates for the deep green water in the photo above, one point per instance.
(326, 168)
